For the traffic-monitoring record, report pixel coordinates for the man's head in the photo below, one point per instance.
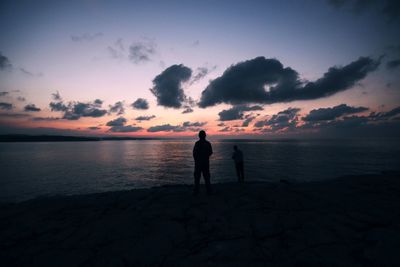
(235, 148)
(202, 134)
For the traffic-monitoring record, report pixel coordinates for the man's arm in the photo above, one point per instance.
(210, 152)
(195, 151)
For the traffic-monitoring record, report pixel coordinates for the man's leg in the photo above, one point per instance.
(237, 166)
(206, 175)
(242, 172)
(197, 174)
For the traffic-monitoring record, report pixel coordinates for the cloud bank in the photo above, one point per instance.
(140, 103)
(236, 112)
(6, 106)
(286, 119)
(4, 63)
(117, 108)
(145, 118)
(324, 114)
(167, 86)
(118, 126)
(266, 81)
(31, 108)
(74, 110)
(186, 126)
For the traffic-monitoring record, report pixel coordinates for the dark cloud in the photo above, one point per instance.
(392, 112)
(193, 124)
(121, 121)
(4, 63)
(286, 119)
(336, 124)
(76, 110)
(168, 86)
(385, 115)
(145, 118)
(323, 114)
(225, 129)
(247, 119)
(5, 106)
(118, 126)
(187, 109)
(31, 108)
(46, 119)
(186, 126)
(98, 102)
(221, 124)
(118, 108)
(375, 124)
(188, 106)
(58, 106)
(71, 116)
(140, 103)
(56, 96)
(389, 8)
(260, 124)
(142, 51)
(201, 72)
(14, 115)
(164, 128)
(94, 128)
(346, 122)
(355, 5)
(393, 64)
(86, 37)
(262, 80)
(125, 129)
(236, 112)
(22, 99)
(392, 9)
(4, 93)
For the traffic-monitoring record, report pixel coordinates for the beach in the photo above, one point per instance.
(348, 221)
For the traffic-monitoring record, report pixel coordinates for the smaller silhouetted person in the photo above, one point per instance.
(201, 153)
(237, 156)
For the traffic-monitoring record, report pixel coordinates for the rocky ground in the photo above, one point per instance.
(352, 221)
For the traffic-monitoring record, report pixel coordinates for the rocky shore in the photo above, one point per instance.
(350, 221)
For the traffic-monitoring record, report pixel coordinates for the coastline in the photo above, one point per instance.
(348, 221)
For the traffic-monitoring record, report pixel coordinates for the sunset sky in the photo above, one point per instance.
(169, 68)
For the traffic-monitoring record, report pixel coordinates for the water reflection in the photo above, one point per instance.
(33, 169)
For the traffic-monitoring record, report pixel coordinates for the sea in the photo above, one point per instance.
(36, 169)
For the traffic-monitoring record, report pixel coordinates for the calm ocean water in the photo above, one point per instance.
(30, 170)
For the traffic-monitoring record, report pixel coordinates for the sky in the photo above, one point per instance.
(251, 69)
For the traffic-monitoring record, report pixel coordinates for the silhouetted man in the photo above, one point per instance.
(237, 156)
(201, 153)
